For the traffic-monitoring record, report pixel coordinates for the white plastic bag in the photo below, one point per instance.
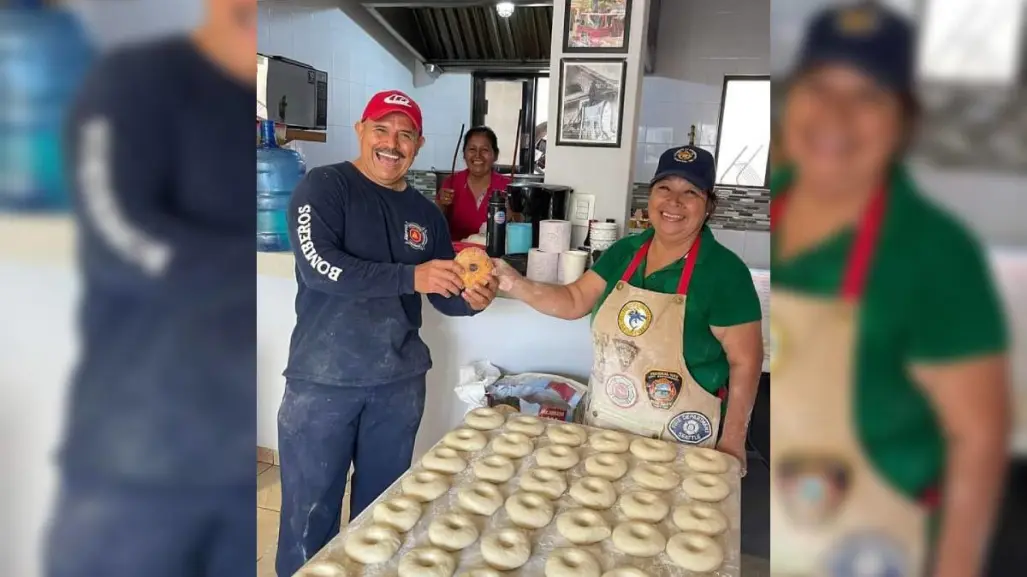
(474, 380)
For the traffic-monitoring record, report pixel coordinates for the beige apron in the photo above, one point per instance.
(639, 381)
(832, 514)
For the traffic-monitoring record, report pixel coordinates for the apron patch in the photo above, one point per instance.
(621, 391)
(690, 427)
(867, 554)
(626, 353)
(813, 488)
(599, 344)
(634, 318)
(663, 388)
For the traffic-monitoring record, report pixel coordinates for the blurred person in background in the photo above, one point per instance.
(156, 462)
(367, 246)
(464, 196)
(889, 349)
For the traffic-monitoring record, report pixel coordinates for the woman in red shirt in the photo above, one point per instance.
(464, 196)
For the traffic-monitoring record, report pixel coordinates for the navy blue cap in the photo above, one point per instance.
(872, 38)
(696, 165)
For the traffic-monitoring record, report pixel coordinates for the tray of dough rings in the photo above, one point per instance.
(508, 494)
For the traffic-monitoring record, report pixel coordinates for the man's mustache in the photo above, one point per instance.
(390, 151)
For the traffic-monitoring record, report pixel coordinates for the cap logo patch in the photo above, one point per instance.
(684, 155)
(857, 21)
(397, 99)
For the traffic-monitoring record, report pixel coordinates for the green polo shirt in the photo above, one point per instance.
(930, 298)
(721, 294)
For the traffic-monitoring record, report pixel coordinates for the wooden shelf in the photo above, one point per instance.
(305, 135)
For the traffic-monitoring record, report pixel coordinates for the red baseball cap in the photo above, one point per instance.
(389, 101)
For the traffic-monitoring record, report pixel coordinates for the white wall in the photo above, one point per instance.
(319, 33)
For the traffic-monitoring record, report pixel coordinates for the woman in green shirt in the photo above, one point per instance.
(675, 317)
(888, 344)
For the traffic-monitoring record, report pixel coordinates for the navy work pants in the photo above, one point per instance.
(322, 430)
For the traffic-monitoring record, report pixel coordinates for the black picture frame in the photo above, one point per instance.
(562, 129)
(568, 48)
(728, 78)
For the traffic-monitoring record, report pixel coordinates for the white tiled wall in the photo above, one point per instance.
(318, 33)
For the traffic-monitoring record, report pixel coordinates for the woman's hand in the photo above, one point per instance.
(507, 275)
(735, 448)
(480, 296)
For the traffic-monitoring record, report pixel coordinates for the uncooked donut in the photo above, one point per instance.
(703, 460)
(443, 460)
(322, 569)
(484, 419)
(557, 457)
(644, 506)
(495, 469)
(695, 552)
(546, 482)
(401, 513)
(476, 264)
(465, 440)
(425, 486)
(568, 562)
(567, 434)
(513, 445)
(606, 466)
(653, 450)
(452, 532)
(480, 498)
(704, 487)
(638, 539)
(700, 519)
(657, 477)
(372, 544)
(610, 442)
(506, 549)
(529, 510)
(625, 572)
(526, 424)
(594, 493)
(427, 562)
(481, 572)
(582, 526)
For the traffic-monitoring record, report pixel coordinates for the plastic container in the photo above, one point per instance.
(44, 55)
(279, 170)
(518, 237)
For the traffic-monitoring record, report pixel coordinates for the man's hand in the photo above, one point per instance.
(505, 274)
(439, 277)
(735, 448)
(481, 295)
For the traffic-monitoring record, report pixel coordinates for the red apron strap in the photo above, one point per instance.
(686, 273)
(635, 262)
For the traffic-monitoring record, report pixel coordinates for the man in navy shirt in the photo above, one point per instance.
(367, 247)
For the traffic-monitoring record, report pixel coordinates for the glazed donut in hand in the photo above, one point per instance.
(477, 266)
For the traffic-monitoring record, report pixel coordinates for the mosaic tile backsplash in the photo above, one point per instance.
(738, 209)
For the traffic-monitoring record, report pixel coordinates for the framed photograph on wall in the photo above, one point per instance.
(591, 102)
(596, 26)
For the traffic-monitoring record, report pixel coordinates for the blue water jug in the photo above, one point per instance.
(44, 54)
(279, 170)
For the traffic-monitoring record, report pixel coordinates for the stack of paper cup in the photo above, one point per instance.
(572, 266)
(543, 266)
(603, 235)
(554, 236)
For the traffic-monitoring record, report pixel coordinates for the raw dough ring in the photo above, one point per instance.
(481, 572)
(506, 549)
(513, 445)
(594, 493)
(654, 450)
(529, 510)
(606, 466)
(372, 544)
(638, 539)
(705, 487)
(495, 469)
(700, 519)
(452, 532)
(322, 569)
(558, 457)
(476, 264)
(443, 460)
(400, 513)
(610, 442)
(465, 440)
(703, 460)
(569, 562)
(625, 572)
(567, 434)
(425, 486)
(695, 552)
(582, 526)
(480, 498)
(656, 477)
(546, 482)
(484, 419)
(526, 424)
(644, 506)
(427, 562)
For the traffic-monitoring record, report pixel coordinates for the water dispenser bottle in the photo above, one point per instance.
(279, 170)
(44, 55)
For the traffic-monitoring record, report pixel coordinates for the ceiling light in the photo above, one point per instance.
(505, 9)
